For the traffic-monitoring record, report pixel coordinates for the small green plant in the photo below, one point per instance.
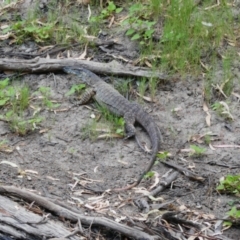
(76, 89)
(163, 155)
(71, 150)
(207, 139)
(197, 151)
(89, 130)
(6, 92)
(33, 30)
(15, 100)
(46, 94)
(148, 175)
(109, 11)
(234, 214)
(230, 184)
(140, 27)
(153, 86)
(20, 124)
(117, 122)
(115, 125)
(222, 110)
(142, 87)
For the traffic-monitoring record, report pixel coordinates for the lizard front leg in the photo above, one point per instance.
(86, 96)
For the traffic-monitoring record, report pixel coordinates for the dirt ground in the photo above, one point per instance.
(64, 164)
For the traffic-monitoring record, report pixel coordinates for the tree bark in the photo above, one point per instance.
(39, 65)
(13, 216)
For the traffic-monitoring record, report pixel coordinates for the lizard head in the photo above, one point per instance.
(82, 73)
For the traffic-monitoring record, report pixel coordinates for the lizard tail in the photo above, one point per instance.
(155, 136)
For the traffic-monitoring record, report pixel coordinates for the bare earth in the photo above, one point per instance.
(64, 164)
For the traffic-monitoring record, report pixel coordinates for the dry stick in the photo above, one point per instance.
(142, 202)
(62, 212)
(40, 65)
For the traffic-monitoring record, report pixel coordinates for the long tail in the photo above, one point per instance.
(155, 136)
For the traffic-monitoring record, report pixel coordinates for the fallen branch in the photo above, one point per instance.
(38, 65)
(71, 215)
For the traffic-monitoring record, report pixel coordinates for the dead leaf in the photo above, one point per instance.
(236, 95)
(9, 163)
(84, 54)
(211, 147)
(6, 36)
(31, 171)
(208, 117)
(208, 120)
(148, 99)
(226, 146)
(109, 135)
(156, 180)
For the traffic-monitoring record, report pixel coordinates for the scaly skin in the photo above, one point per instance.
(116, 103)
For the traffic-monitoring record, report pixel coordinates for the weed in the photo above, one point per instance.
(115, 125)
(197, 151)
(46, 94)
(20, 125)
(33, 30)
(109, 11)
(117, 122)
(191, 32)
(163, 155)
(153, 86)
(140, 28)
(76, 89)
(148, 175)
(230, 184)
(89, 130)
(234, 214)
(16, 101)
(71, 150)
(207, 139)
(142, 87)
(222, 110)
(47, 27)
(156, 7)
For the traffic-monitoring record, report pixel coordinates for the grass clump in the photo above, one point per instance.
(230, 184)
(15, 101)
(20, 109)
(197, 151)
(49, 27)
(189, 33)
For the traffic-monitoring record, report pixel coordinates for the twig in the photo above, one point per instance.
(40, 65)
(68, 214)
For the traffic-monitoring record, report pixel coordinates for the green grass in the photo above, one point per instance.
(230, 184)
(48, 27)
(109, 125)
(15, 101)
(189, 33)
(197, 151)
(189, 37)
(117, 123)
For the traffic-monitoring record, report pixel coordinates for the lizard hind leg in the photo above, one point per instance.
(129, 125)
